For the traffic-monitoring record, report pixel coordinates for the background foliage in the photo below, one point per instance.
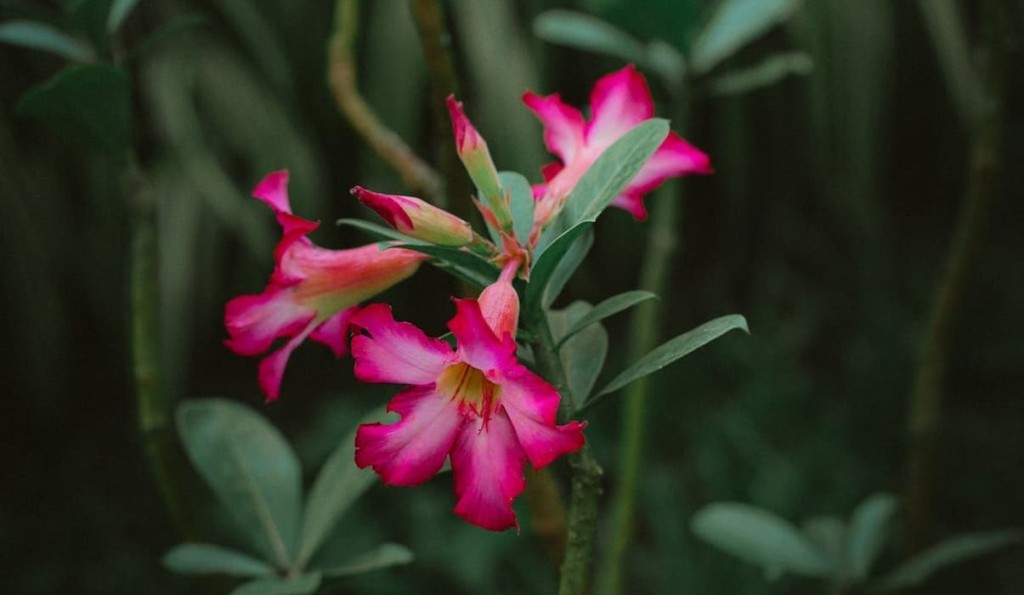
(827, 224)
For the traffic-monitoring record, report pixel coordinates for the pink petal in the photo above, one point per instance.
(633, 203)
(563, 124)
(619, 101)
(532, 405)
(675, 157)
(412, 450)
(478, 346)
(487, 465)
(273, 191)
(254, 321)
(333, 332)
(271, 368)
(395, 352)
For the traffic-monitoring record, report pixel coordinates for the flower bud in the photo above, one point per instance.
(417, 219)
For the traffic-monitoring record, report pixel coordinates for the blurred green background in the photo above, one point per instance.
(827, 223)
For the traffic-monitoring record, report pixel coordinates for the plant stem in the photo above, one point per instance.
(984, 164)
(586, 473)
(661, 243)
(341, 76)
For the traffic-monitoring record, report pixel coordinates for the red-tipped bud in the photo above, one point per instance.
(499, 302)
(477, 159)
(417, 219)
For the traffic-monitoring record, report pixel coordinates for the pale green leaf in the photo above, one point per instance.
(613, 170)
(674, 349)
(521, 201)
(585, 32)
(766, 73)
(828, 535)
(955, 550)
(869, 529)
(40, 36)
(734, 24)
(759, 537)
(250, 467)
(119, 11)
(609, 307)
(548, 260)
(582, 355)
(571, 261)
(383, 556)
(300, 585)
(203, 558)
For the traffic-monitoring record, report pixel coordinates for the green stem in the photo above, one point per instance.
(661, 243)
(586, 473)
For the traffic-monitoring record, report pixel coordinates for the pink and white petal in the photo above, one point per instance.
(563, 124)
(254, 321)
(271, 368)
(412, 450)
(675, 157)
(619, 101)
(632, 202)
(487, 465)
(532, 405)
(333, 332)
(273, 191)
(395, 352)
(478, 345)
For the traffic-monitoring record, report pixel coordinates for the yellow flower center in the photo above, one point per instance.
(468, 385)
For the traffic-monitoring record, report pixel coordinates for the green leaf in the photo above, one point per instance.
(339, 484)
(465, 265)
(40, 36)
(613, 170)
(250, 468)
(768, 72)
(585, 32)
(300, 585)
(869, 526)
(676, 348)
(565, 269)
(734, 24)
(609, 307)
(380, 232)
(548, 260)
(119, 11)
(828, 535)
(954, 550)
(383, 556)
(87, 103)
(521, 201)
(167, 32)
(582, 355)
(203, 558)
(759, 537)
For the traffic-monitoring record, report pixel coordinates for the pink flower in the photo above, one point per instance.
(476, 404)
(418, 219)
(476, 158)
(312, 292)
(619, 101)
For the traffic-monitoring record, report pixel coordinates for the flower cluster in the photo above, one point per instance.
(474, 404)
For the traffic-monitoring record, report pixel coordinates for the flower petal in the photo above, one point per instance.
(395, 352)
(478, 346)
(619, 101)
(487, 465)
(271, 368)
(563, 124)
(532, 405)
(412, 450)
(675, 157)
(333, 332)
(254, 321)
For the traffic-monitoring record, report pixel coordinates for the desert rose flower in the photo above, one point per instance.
(475, 404)
(312, 292)
(418, 219)
(619, 101)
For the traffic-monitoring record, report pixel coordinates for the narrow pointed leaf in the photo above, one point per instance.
(609, 307)
(735, 24)
(380, 232)
(521, 201)
(383, 556)
(300, 585)
(950, 552)
(768, 72)
(548, 260)
(250, 467)
(613, 170)
(43, 37)
(582, 355)
(828, 535)
(204, 558)
(565, 269)
(869, 530)
(119, 11)
(759, 537)
(339, 484)
(585, 32)
(676, 348)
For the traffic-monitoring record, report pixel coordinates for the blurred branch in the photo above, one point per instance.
(429, 18)
(341, 74)
(984, 166)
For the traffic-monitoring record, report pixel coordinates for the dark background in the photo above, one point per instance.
(827, 224)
